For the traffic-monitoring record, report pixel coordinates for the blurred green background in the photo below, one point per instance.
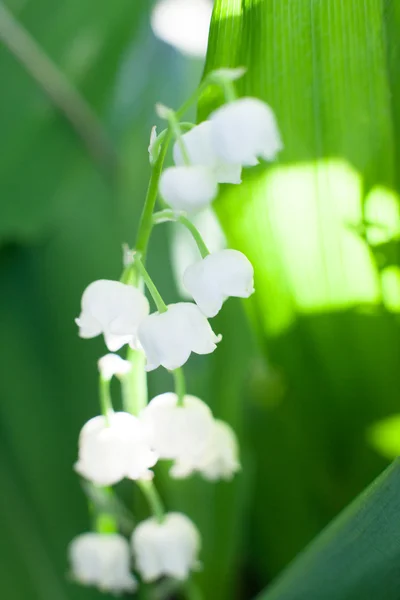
(313, 366)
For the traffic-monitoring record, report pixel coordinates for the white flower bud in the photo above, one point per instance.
(244, 130)
(153, 149)
(168, 338)
(108, 452)
(112, 364)
(179, 432)
(169, 548)
(188, 188)
(102, 560)
(226, 74)
(113, 309)
(200, 149)
(219, 275)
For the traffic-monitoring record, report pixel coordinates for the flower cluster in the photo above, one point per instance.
(236, 135)
(173, 426)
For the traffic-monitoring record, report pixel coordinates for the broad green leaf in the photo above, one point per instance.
(356, 556)
(322, 228)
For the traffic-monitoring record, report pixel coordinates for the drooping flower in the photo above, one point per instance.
(180, 433)
(188, 188)
(102, 560)
(219, 275)
(220, 460)
(113, 309)
(245, 130)
(112, 364)
(110, 451)
(168, 338)
(200, 149)
(169, 548)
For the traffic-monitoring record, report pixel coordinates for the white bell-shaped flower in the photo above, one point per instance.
(113, 309)
(221, 459)
(110, 451)
(112, 365)
(200, 150)
(188, 188)
(245, 130)
(169, 548)
(102, 560)
(168, 338)
(213, 279)
(180, 433)
(218, 460)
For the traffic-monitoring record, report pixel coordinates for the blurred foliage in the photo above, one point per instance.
(321, 227)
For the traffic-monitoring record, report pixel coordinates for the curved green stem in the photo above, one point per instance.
(204, 251)
(153, 498)
(169, 215)
(192, 99)
(229, 91)
(155, 294)
(180, 384)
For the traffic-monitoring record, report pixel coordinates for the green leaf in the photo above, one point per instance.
(321, 226)
(356, 556)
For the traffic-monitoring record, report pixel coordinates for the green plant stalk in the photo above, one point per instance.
(105, 398)
(146, 221)
(134, 383)
(180, 384)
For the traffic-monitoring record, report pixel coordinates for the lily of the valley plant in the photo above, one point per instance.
(173, 426)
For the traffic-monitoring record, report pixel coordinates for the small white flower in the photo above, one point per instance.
(108, 452)
(221, 459)
(154, 151)
(188, 188)
(244, 130)
(113, 309)
(218, 460)
(219, 275)
(112, 364)
(169, 548)
(168, 338)
(102, 560)
(179, 432)
(200, 149)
